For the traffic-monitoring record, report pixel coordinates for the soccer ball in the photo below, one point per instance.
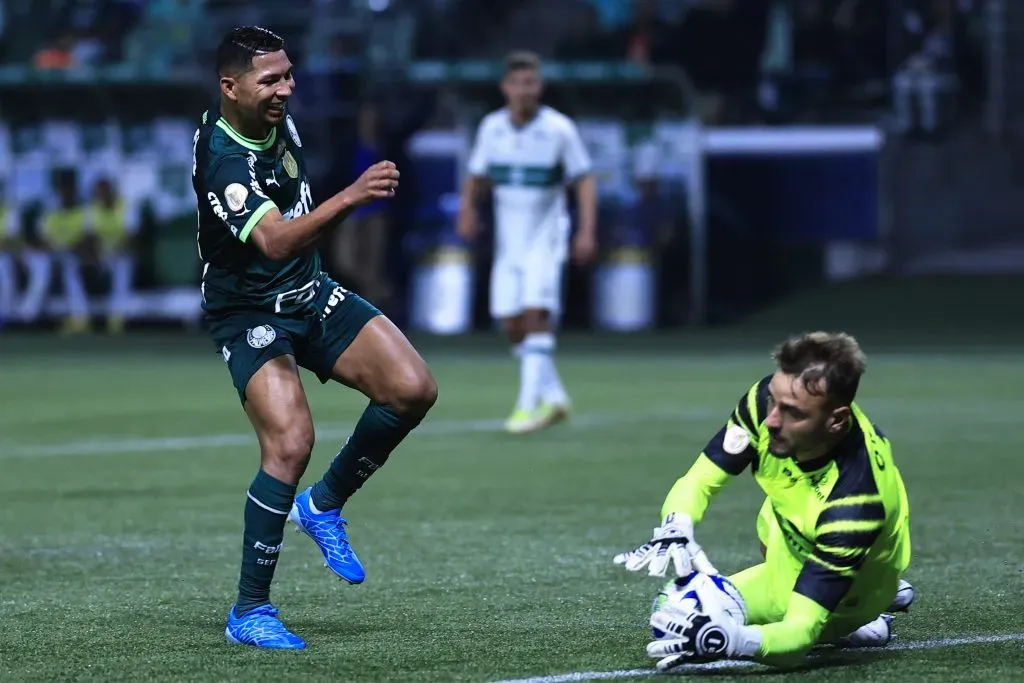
(681, 594)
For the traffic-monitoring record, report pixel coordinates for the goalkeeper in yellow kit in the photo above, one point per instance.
(834, 527)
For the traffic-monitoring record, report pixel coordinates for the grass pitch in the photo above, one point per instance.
(123, 474)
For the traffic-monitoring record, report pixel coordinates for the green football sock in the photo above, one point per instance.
(378, 432)
(266, 510)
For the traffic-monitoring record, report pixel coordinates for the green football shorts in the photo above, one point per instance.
(316, 337)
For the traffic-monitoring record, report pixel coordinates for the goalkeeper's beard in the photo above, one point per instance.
(778, 446)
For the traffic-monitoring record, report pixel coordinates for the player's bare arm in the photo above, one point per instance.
(281, 239)
(584, 246)
(469, 221)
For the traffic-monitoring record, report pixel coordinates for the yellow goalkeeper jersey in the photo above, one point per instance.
(842, 514)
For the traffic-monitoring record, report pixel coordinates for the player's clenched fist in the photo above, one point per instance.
(377, 182)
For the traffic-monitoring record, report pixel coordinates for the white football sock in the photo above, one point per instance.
(552, 391)
(536, 349)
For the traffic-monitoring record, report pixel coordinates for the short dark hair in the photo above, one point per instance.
(520, 60)
(241, 44)
(834, 357)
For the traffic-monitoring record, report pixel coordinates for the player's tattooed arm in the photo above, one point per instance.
(282, 239)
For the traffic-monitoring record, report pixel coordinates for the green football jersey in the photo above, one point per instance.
(842, 514)
(237, 181)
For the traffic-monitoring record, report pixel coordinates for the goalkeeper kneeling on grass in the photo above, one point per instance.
(834, 528)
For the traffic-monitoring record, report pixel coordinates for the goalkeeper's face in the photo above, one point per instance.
(802, 424)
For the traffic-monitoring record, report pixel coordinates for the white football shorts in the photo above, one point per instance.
(534, 282)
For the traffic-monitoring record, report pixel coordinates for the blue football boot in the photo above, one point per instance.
(261, 628)
(327, 529)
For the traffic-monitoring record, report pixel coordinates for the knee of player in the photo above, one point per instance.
(291, 448)
(534, 321)
(413, 390)
(514, 331)
(515, 336)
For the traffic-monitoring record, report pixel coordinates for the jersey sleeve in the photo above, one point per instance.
(734, 447)
(727, 454)
(787, 640)
(848, 525)
(575, 156)
(477, 165)
(234, 195)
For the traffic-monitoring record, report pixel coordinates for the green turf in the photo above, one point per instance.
(489, 557)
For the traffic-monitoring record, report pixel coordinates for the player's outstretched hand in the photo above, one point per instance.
(377, 182)
(672, 543)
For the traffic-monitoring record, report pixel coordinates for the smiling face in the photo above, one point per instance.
(262, 91)
(803, 421)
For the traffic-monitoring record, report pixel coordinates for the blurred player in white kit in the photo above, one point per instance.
(529, 154)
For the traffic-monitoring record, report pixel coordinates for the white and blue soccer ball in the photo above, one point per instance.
(680, 594)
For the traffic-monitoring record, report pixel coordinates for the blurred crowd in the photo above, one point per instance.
(766, 59)
(912, 64)
(792, 60)
(76, 246)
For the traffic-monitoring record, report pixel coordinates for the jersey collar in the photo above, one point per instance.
(248, 143)
(846, 445)
(528, 123)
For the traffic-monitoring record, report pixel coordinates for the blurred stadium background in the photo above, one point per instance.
(765, 167)
(846, 139)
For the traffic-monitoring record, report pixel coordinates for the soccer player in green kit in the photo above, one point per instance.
(834, 528)
(270, 310)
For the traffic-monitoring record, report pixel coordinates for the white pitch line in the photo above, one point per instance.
(579, 676)
(114, 445)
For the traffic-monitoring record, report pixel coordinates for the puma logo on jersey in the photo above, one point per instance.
(272, 180)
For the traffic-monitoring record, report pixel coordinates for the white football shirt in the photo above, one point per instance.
(529, 168)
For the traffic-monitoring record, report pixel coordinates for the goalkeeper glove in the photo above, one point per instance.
(672, 541)
(700, 635)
